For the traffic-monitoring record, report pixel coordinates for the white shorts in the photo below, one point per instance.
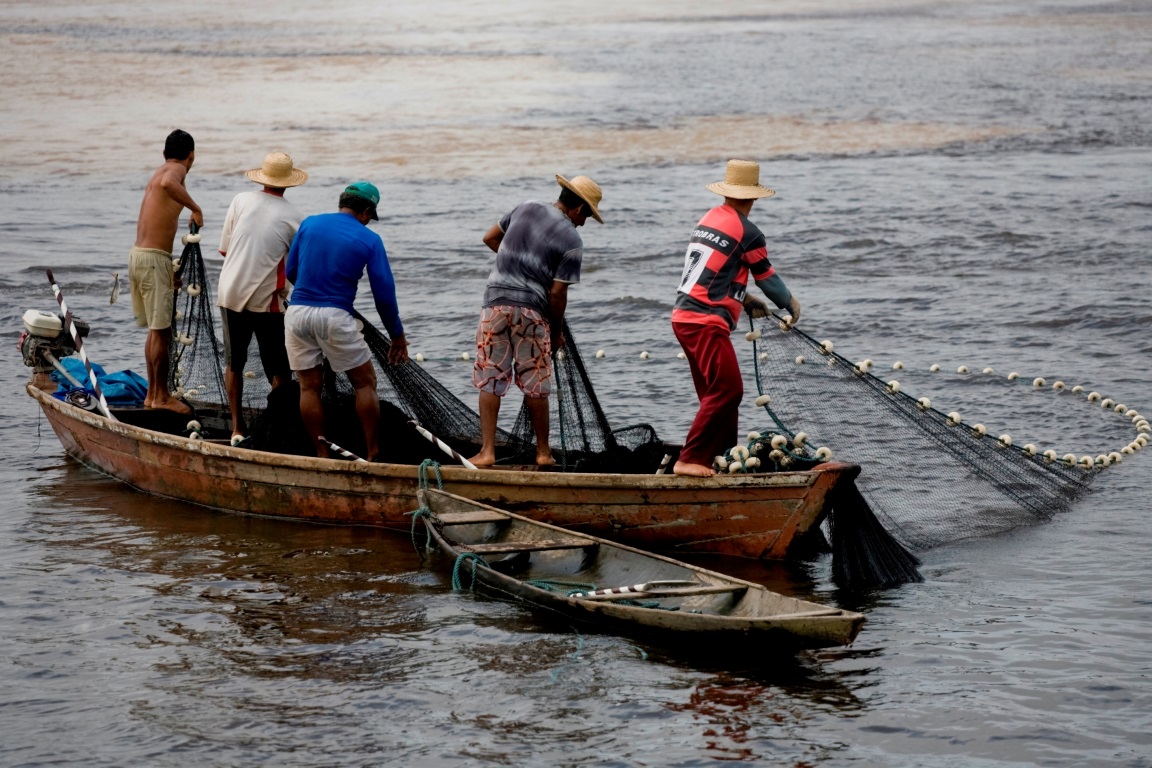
(314, 333)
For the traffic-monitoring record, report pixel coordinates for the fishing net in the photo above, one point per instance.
(585, 442)
(582, 438)
(930, 477)
(195, 370)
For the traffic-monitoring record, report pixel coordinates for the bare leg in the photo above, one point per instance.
(311, 407)
(234, 384)
(693, 470)
(156, 356)
(363, 378)
(538, 414)
(489, 412)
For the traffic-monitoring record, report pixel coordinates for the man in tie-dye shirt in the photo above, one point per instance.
(538, 255)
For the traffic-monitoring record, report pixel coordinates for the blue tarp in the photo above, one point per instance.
(123, 389)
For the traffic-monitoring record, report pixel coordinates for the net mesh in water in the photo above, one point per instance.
(930, 478)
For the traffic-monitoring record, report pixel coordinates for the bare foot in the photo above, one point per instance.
(482, 460)
(692, 470)
(172, 404)
(545, 460)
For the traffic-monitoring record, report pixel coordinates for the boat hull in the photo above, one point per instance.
(727, 612)
(755, 516)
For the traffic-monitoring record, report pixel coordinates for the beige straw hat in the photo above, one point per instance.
(277, 172)
(741, 182)
(587, 190)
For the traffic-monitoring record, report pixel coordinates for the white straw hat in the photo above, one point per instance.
(741, 182)
(277, 172)
(587, 190)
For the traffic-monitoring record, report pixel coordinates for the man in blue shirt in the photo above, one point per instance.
(325, 263)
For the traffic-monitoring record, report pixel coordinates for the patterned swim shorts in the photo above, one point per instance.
(513, 340)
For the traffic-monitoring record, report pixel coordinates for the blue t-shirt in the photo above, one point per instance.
(327, 260)
(540, 245)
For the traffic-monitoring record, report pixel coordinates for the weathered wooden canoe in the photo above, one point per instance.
(757, 516)
(596, 582)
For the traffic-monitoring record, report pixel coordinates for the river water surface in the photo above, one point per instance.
(958, 183)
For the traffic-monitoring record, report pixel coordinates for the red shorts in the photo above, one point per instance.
(513, 340)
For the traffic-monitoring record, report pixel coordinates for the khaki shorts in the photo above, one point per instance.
(150, 283)
(312, 334)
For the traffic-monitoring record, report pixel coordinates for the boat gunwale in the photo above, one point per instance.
(787, 479)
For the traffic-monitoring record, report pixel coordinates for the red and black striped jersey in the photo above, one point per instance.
(724, 248)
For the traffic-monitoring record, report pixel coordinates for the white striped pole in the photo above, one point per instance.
(442, 445)
(341, 451)
(75, 333)
(637, 588)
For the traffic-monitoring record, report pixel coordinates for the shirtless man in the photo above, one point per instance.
(150, 272)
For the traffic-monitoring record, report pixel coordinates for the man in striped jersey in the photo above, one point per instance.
(724, 249)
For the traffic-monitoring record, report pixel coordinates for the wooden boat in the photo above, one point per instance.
(596, 582)
(754, 515)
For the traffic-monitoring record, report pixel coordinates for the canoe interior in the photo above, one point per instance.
(541, 565)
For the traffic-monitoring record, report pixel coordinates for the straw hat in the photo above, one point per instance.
(741, 182)
(277, 172)
(587, 190)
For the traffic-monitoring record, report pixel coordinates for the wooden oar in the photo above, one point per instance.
(441, 444)
(75, 333)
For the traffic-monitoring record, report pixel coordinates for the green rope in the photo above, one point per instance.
(472, 559)
(553, 585)
(422, 474)
(417, 514)
(647, 604)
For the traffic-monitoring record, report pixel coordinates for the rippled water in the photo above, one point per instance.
(958, 183)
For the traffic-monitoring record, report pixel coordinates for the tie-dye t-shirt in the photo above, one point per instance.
(540, 245)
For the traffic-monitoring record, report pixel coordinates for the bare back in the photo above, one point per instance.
(164, 198)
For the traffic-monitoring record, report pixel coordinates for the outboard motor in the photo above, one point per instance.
(45, 341)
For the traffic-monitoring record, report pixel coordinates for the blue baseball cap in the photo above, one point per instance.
(365, 191)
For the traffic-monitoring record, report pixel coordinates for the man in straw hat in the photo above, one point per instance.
(258, 231)
(538, 254)
(325, 263)
(151, 279)
(724, 248)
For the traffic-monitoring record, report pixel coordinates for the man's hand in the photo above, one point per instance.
(558, 341)
(755, 308)
(794, 309)
(197, 218)
(398, 350)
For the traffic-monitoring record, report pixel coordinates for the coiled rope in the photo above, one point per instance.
(472, 559)
(422, 511)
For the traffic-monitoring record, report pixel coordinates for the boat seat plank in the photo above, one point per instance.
(505, 547)
(471, 517)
